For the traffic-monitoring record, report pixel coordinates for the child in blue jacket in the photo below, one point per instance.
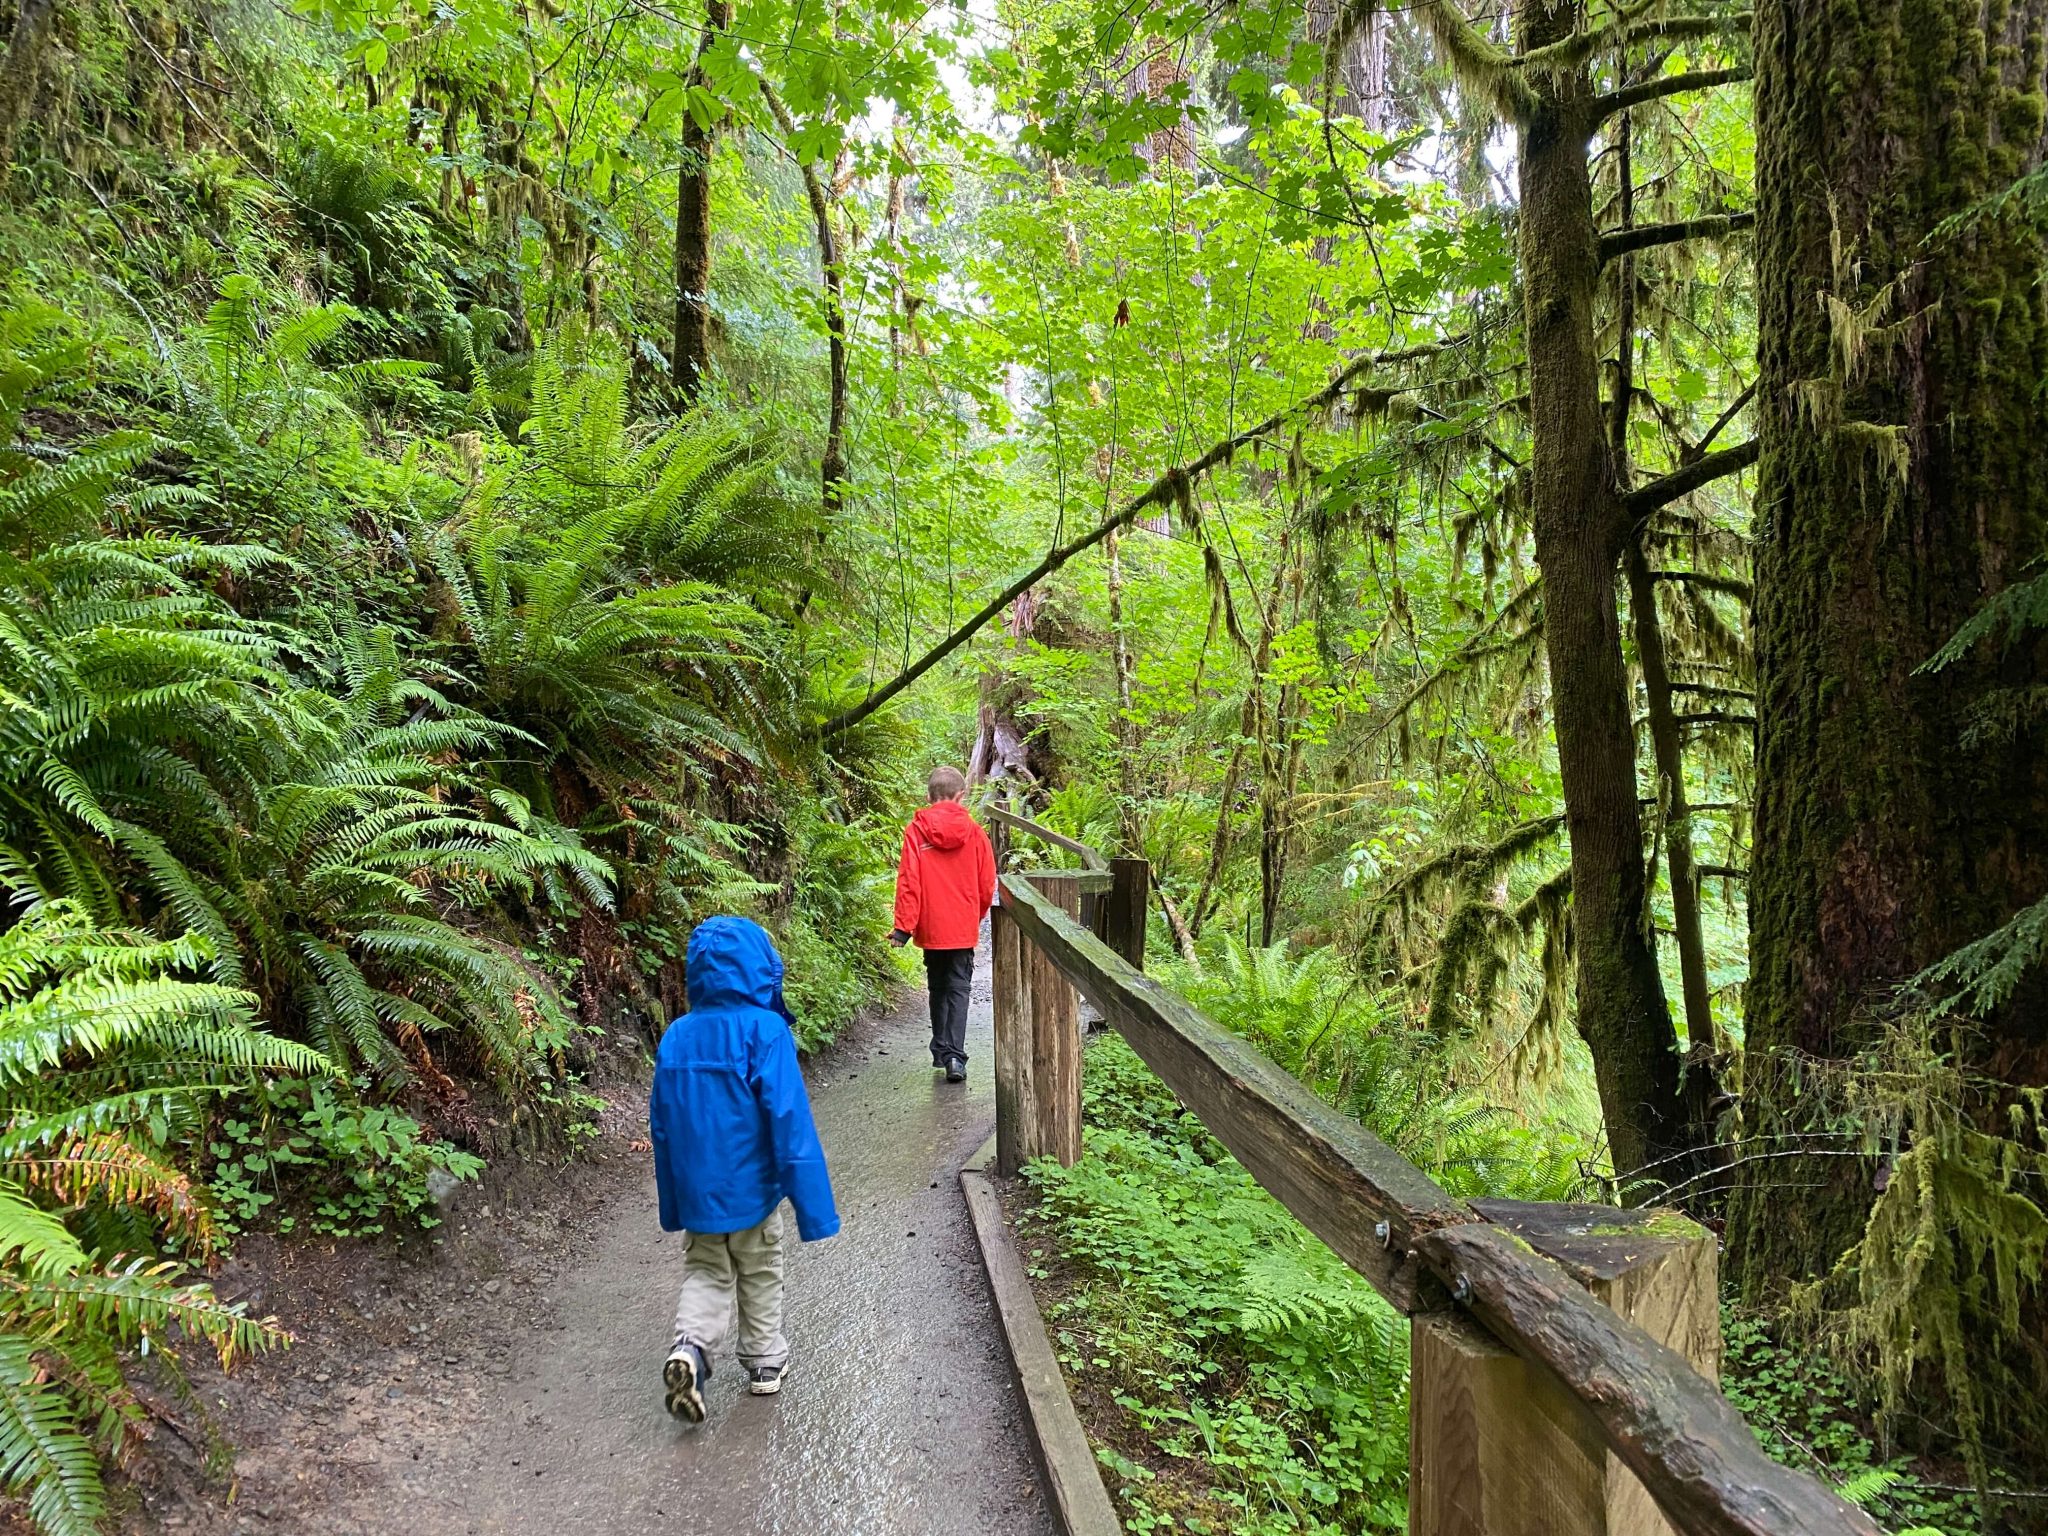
(733, 1138)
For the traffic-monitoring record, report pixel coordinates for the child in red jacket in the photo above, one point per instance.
(944, 887)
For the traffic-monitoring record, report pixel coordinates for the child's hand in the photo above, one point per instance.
(899, 938)
(642, 1145)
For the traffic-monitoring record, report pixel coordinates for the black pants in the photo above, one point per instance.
(949, 973)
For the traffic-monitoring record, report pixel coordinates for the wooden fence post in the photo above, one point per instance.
(1010, 979)
(1055, 1037)
(1038, 1037)
(1499, 1445)
(1125, 907)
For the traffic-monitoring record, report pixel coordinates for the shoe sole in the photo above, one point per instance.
(685, 1399)
(768, 1388)
(956, 1077)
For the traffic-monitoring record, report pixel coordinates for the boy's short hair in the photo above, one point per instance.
(946, 782)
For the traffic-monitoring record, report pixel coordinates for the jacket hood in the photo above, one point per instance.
(732, 960)
(944, 824)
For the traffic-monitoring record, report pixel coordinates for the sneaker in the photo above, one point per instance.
(765, 1380)
(956, 1071)
(684, 1376)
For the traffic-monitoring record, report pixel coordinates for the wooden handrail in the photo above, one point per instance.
(1338, 1178)
(1420, 1246)
(1090, 858)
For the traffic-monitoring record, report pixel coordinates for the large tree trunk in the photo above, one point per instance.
(1899, 490)
(692, 356)
(1581, 530)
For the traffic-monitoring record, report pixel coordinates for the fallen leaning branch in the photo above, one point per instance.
(1174, 488)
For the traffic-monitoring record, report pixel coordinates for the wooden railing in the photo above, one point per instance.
(1563, 1357)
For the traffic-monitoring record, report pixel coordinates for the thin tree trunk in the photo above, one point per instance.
(1900, 813)
(451, 149)
(1581, 528)
(20, 70)
(892, 232)
(1247, 721)
(832, 463)
(1276, 810)
(1183, 937)
(1125, 732)
(1219, 846)
(692, 358)
(1679, 865)
(1668, 749)
(504, 199)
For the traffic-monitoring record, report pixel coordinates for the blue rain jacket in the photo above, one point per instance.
(729, 1118)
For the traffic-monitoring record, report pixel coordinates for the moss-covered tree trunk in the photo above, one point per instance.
(1902, 484)
(20, 69)
(1581, 529)
(692, 356)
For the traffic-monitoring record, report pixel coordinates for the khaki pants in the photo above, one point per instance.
(728, 1271)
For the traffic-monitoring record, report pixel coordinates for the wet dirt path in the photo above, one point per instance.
(900, 1417)
(530, 1405)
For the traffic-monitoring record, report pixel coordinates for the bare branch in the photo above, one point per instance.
(1644, 236)
(1734, 409)
(1604, 107)
(1644, 500)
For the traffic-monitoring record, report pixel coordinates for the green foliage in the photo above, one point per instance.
(1810, 1416)
(304, 833)
(1263, 1380)
(1981, 977)
(834, 937)
(374, 624)
(108, 1050)
(1316, 1017)
(1263, 1383)
(571, 636)
(354, 1169)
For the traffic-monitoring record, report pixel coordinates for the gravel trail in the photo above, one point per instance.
(530, 1403)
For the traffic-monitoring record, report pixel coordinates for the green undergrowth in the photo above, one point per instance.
(1810, 1416)
(295, 1153)
(1237, 1375)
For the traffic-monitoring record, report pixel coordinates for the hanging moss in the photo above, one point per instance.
(1938, 1297)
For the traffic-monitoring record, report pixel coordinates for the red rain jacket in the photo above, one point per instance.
(947, 878)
